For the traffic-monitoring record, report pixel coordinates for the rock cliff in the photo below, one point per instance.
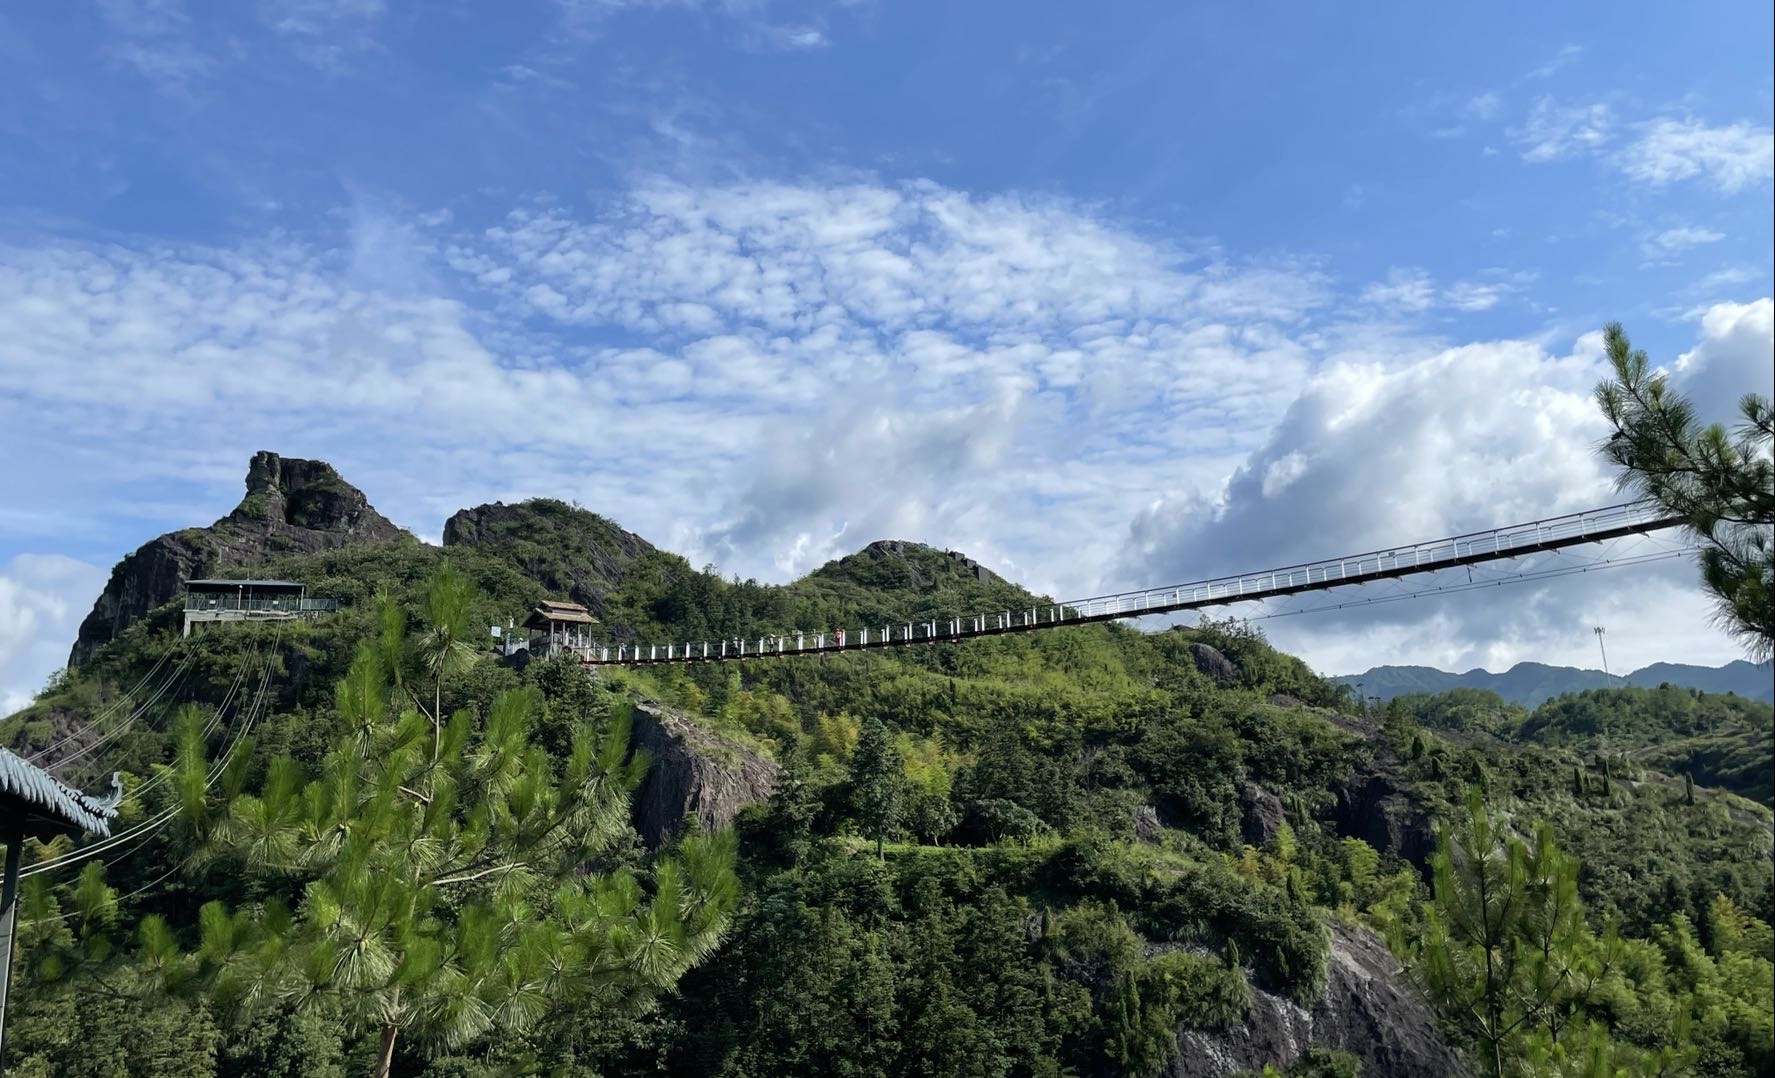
(1379, 810)
(292, 506)
(695, 772)
(1368, 1009)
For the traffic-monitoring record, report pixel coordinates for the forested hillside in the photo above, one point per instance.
(1088, 851)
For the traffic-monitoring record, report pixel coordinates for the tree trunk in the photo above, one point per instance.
(385, 1052)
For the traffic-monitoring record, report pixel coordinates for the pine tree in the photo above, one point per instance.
(444, 646)
(438, 901)
(1721, 485)
(877, 782)
(1504, 934)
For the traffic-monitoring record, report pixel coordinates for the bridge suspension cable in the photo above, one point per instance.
(1496, 544)
(246, 716)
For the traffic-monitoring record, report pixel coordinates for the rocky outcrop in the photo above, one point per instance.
(900, 551)
(695, 772)
(1147, 827)
(1215, 665)
(1367, 1008)
(973, 568)
(572, 552)
(1377, 810)
(1260, 814)
(292, 506)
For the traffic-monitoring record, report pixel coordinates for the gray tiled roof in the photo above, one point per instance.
(31, 792)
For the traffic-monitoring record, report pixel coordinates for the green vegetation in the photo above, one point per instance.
(1520, 972)
(1715, 740)
(1039, 854)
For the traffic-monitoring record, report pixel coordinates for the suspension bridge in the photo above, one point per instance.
(1496, 544)
(246, 697)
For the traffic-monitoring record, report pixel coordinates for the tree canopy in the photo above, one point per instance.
(1720, 483)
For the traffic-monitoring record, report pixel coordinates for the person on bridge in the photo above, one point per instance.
(838, 637)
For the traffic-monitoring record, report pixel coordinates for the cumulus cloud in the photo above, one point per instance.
(1471, 437)
(42, 599)
(1731, 359)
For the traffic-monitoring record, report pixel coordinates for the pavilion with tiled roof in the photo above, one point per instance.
(36, 804)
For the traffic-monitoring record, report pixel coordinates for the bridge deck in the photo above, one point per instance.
(1516, 540)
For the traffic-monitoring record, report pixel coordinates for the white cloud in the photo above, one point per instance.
(1732, 358)
(42, 599)
(1403, 290)
(1553, 131)
(1672, 241)
(152, 37)
(1732, 157)
(1483, 106)
(1410, 290)
(790, 38)
(1475, 295)
(1471, 437)
(323, 32)
(766, 376)
(1565, 57)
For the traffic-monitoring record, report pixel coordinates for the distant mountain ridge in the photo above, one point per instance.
(1530, 684)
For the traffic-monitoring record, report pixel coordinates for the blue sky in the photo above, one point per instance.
(1104, 299)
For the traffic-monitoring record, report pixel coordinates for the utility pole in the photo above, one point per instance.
(1598, 630)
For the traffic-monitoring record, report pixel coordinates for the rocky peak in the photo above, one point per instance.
(288, 492)
(292, 506)
(572, 552)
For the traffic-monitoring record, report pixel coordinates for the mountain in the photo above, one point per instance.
(1107, 851)
(1531, 684)
(292, 506)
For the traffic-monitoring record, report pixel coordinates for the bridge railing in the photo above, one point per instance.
(1484, 545)
(1492, 544)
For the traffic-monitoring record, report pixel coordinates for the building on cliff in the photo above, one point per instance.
(249, 600)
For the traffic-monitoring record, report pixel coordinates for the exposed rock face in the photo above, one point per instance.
(1368, 1009)
(291, 507)
(571, 552)
(1378, 811)
(974, 568)
(1146, 824)
(899, 550)
(1211, 662)
(695, 771)
(1260, 814)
